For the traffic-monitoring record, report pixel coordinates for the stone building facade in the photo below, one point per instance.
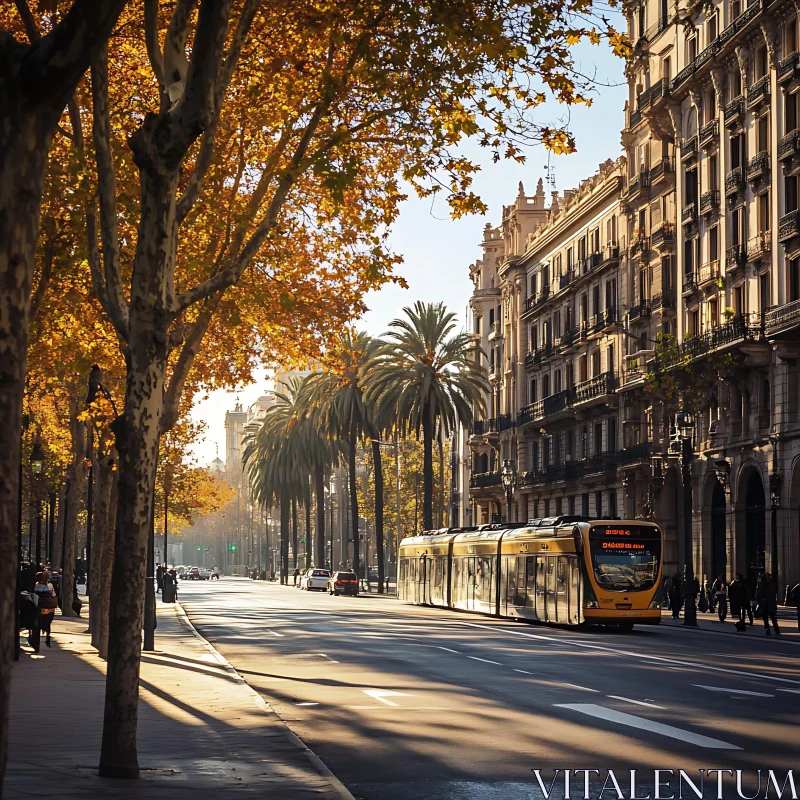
(700, 276)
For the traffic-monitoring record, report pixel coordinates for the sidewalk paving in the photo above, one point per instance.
(203, 732)
(709, 623)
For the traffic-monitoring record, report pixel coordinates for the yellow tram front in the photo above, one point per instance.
(623, 570)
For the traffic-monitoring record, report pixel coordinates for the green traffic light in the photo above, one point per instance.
(199, 549)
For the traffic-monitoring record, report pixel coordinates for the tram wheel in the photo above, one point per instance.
(625, 627)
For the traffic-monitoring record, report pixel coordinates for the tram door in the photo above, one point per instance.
(551, 608)
(562, 589)
(422, 587)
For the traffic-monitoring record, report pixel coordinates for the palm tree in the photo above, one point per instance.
(275, 472)
(429, 379)
(342, 412)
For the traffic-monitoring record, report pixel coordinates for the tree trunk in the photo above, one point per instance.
(76, 474)
(103, 551)
(351, 464)
(285, 512)
(319, 532)
(294, 533)
(427, 470)
(378, 463)
(137, 436)
(307, 505)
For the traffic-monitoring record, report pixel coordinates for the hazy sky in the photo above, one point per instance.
(438, 251)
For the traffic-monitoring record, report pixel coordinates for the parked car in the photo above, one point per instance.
(315, 579)
(192, 574)
(207, 574)
(181, 570)
(343, 583)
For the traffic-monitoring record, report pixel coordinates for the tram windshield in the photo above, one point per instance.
(625, 560)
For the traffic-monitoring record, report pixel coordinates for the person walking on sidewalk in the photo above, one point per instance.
(48, 602)
(794, 600)
(675, 598)
(296, 575)
(722, 598)
(767, 598)
(735, 592)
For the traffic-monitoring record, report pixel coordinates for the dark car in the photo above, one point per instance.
(343, 583)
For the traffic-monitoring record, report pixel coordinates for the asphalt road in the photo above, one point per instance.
(409, 702)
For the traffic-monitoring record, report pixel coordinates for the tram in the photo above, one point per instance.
(564, 570)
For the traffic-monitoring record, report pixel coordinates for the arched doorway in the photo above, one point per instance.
(755, 540)
(719, 554)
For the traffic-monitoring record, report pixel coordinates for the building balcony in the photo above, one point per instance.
(663, 169)
(758, 167)
(600, 464)
(595, 389)
(484, 427)
(734, 113)
(653, 95)
(734, 182)
(530, 413)
(558, 402)
(638, 183)
(505, 422)
(592, 261)
(788, 69)
(758, 94)
(494, 372)
(758, 246)
(663, 237)
(634, 118)
(789, 226)
(640, 245)
(740, 328)
(708, 273)
(788, 151)
(610, 253)
(735, 257)
(709, 202)
(496, 330)
(635, 453)
(566, 279)
(709, 134)
(663, 300)
(782, 319)
(484, 480)
(688, 148)
(641, 309)
(689, 213)
(689, 283)
(682, 76)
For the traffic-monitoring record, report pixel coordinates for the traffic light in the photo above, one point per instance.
(232, 547)
(199, 549)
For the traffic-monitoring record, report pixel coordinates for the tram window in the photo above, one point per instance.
(511, 580)
(519, 600)
(561, 576)
(403, 569)
(456, 579)
(485, 579)
(530, 580)
(540, 586)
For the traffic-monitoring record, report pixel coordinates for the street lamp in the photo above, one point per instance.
(685, 423)
(722, 468)
(775, 484)
(37, 458)
(508, 477)
(37, 464)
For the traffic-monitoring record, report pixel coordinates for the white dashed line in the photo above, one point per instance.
(523, 671)
(733, 691)
(582, 688)
(635, 702)
(485, 661)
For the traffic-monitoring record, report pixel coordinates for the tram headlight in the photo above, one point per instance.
(655, 603)
(591, 604)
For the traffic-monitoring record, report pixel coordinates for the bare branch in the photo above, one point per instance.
(28, 21)
(191, 346)
(56, 63)
(195, 184)
(48, 255)
(106, 185)
(151, 39)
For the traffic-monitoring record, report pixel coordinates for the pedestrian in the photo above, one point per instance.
(169, 593)
(675, 599)
(767, 598)
(735, 597)
(722, 598)
(29, 617)
(718, 581)
(296, 575)
(794, 600)
(46, 606)
(159, 577)
(702, 597)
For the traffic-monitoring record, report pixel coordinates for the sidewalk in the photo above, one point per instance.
(709, 623)
(203, 733)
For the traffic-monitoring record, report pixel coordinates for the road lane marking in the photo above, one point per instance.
(583, 688)
(523, 671)
(732, 691)
(635, 702)
(275, 633)
(485, 661)
(306, 704)
(439, 647)
(382, 694)
(332, 661)
(642, 723)
(661, 659)
(793, 691)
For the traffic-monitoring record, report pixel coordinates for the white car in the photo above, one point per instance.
(315, 579)
(209, 574)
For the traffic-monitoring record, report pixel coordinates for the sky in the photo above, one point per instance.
(437, 250)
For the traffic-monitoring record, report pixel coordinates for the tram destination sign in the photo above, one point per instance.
(623, 533)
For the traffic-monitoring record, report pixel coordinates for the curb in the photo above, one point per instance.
(318, 763)
(698, 629)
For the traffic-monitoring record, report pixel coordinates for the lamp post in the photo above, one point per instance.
(775, 484)
(685, 423)
(508, 477)
(37, 464)
(18, 576)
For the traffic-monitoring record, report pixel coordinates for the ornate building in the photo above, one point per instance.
(680, 261)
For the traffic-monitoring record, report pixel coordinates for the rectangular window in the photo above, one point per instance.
(763, 292)
(790, 193)
(585, 505)
(547, 508)
(612, 504)
(559, 507)
(571, 505)
(713, 169)
(736, 9)
(711, 29)
(612, 435)
(763, 212)
(713, 313)
(790, 37)
(610, 362)
(713, 243)
(738, 300)
(794, 279)
(532, 396)
(762, 134)
(598, 504)
(598, 438)
(790, 112)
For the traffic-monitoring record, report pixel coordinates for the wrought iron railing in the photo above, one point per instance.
(483, 480)
(758, 165)
(787, 316)
(599, 386)
(788, 226)
(709, 201)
